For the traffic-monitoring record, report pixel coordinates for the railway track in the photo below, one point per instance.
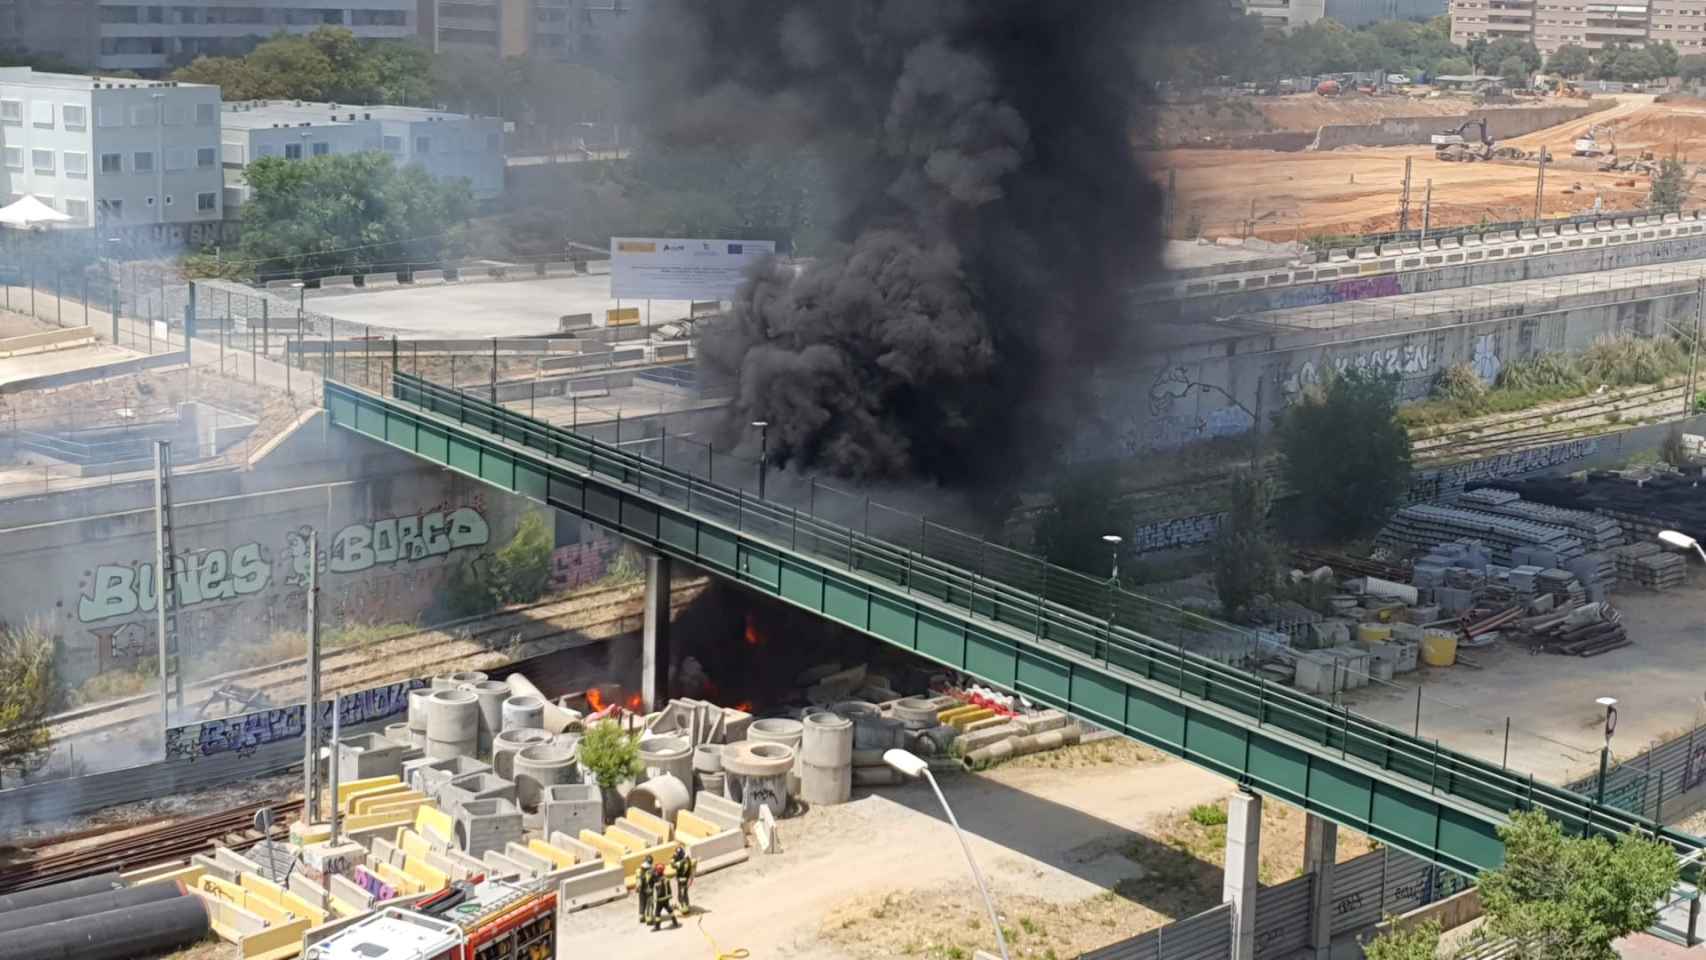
(176, 840)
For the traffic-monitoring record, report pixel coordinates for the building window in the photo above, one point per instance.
(142, 161)
(322, 149)
(76, 117)
(206, 114)
(423, 145)
(14, 158)
(41, 114)
(112, 163)
(12, 112)
(206, 157)
(76, 164)
(78, 209)
(168, 199)
(42, 160)
(293, 151)
(206, 202)
(392, 144)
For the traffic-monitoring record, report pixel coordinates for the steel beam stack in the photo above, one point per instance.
(1426, 526)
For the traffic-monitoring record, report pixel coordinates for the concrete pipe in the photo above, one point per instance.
(708, 758)
(747, 758)
(826, 785)
(540, 766)
(855, 710)
(418, 709)
(875, 776)
(508, 743)
(784, 731)
(89, 905)
(491, 695)
(523, 712)
(53, 893)
(663, 796)
(827, 741)
(1020, 746)
(712, 783)
(443, 682)
(467, 676)
(418, 740)
(453, 724)
(755, 774)
(398, 733)
(915, 713)
(140, 931)
(667, 755)
(554, 718)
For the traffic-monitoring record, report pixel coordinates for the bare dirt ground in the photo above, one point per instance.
(1356, 190)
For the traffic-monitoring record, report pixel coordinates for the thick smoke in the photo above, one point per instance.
(991, 209)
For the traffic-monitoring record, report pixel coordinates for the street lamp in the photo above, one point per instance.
(1113, 541)
(909, 765)
(301, 291)
(1610, 705)
(1681, 541)
(763, 452)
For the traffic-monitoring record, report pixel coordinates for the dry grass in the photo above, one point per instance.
(946, 924)
(1107, 751)
(1201, 833)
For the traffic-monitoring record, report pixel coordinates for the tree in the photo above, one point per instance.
(29, 692)
(1671, 186)
(348, 212)
(235, 77)
(1692, 68)
(1244, 557)
(612, 754)
(521, 570)
(1420, 942)
(1570, 60)
(1452, 67)
(1568, 898)
(1513, 71)
(1086, 506)
(1345, 452)
(1505, 47)
(1666, 61)
(1477, 48)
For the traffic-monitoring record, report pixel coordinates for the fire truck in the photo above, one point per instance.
(488, 920)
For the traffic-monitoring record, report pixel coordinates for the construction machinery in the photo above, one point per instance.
(1452, 145)
(1589, 145)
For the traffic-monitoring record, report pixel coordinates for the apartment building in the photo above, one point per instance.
(447, 145)
(1361, 13)
(50, 28)
(111, 152)
(1284, 14)
(1593, 24)
(584, 31)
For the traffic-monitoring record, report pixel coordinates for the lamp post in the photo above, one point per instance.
(1113, 541)
(909, 765)
(160, 168)
(1610, 705)
(763, 452)
(1681, 541)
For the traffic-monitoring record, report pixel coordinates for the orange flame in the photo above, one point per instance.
(595, 700)
(745, 706)
(753, 637)
(635, 703)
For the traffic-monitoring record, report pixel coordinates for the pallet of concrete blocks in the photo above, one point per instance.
(1661, 571)
(1628, 554)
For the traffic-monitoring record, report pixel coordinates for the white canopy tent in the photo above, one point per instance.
(28, 212)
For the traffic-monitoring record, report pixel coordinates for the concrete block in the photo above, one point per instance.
(308, 890)
(527, 857)
(369, 755)
(591, 889)
(764, 831)
(483, 825)
(968, 742)
(384, 851)
(347, 890)
(654, 826)
(428, 774)
(1043, 722)
(718, 810)
(691, 826)
(503, 867)
(236, 861)
(474, 786)
(462, 863)
(559, 858)
(582, 852)
(716, 845)
(570, 808)
(214, 867)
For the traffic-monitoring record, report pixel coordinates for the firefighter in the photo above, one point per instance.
(660, 899)
(683, 865)
(644, 884)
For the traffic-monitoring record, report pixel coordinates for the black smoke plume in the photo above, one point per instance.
(991, 210)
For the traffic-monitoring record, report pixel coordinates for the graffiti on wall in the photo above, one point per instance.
(578, 564)
(1173, 423)
(1180, 532)
(1432, 484)
(1485, 359)
(1410, 360)
(243, 735)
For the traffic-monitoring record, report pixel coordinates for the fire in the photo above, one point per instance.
(635, 703)
(753, 637)
(745, 706)
(595, 700)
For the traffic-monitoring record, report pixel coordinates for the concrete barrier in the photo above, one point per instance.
(1452, 912)
(422, 278)
(348, 281)
(1502, 124)
(595, 886)
(30, 342)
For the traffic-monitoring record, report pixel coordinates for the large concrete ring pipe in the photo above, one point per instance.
(826, 759)
(556, 719)
(140, 931)
(668, 756)
(467, 676)
(508, 743)
(453, 724)
(540, 766)
(784, 731)
(523, 712)
(418, 709)
(492, 694)
(662, 796)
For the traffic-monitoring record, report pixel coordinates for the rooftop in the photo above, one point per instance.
(263, 114)
(29, 76)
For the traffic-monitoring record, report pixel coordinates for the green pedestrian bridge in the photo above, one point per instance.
(1011, 621)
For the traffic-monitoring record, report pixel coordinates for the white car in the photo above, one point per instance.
(1397, 80)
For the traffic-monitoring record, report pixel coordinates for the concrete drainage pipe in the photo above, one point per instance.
(915, 713)
(755, 774)
(667, 755)
(540, 766)
(661, 796)
(491, 694)
(468, 676)
(555, 718)
(453, 724)
(784, 731)
(523, 712)
(418, 709)
(508, 743)
(398, 733)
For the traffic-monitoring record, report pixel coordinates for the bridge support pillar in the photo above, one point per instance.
(1320, 850)
(1243, 858)
(654, 657)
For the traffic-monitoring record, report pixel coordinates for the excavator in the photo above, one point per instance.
(1451, 144)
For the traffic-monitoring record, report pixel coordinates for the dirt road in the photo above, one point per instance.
(1037, 833)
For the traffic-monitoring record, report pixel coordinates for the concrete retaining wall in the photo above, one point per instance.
(1502, 124)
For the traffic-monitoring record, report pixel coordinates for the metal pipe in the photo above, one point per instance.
(141, 931)
(89, 905)
(334, 770)
(100, 883)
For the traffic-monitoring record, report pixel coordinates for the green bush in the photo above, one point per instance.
(1208, 815)
(521, 571)
(612, 754)
(1545, 371)
(1626, 361)
(1459, 383)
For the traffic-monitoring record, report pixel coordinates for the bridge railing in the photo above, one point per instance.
(1062, 609)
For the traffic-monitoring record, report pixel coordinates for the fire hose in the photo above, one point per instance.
(738, 953)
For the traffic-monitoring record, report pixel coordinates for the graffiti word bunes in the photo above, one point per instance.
(361, 546)
(118, 590)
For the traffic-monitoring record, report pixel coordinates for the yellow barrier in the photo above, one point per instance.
(355, 800)
(277, 942)
(374, 802)
(412, 843)
(184, 875)
(559, 857)
(651, 823)
(357, 786)
(959, 722)
(611, 851)
(625, 317)
(368, 821)
(430, 877)
(442, 825)
(659, 854)
(690, 825)
(343, 908)
(627, 841)
(399, 881)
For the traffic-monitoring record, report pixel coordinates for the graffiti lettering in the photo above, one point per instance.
(360, 546)
(1181, 532)
(243, 734)
(581, 563)
(119, 590)
(1367, 288)
(372, 884)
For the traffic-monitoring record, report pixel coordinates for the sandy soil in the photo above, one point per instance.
(1051, 846)
(1356, 190)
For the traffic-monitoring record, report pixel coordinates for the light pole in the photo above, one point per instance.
(909, 765)
(763, 452)
(1681, 541)
(1610, 705)
(1113, 541)
(160, 166)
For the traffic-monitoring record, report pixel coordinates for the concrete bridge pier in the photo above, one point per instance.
(654, 656)
(1320, 850)
(1243, 862)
